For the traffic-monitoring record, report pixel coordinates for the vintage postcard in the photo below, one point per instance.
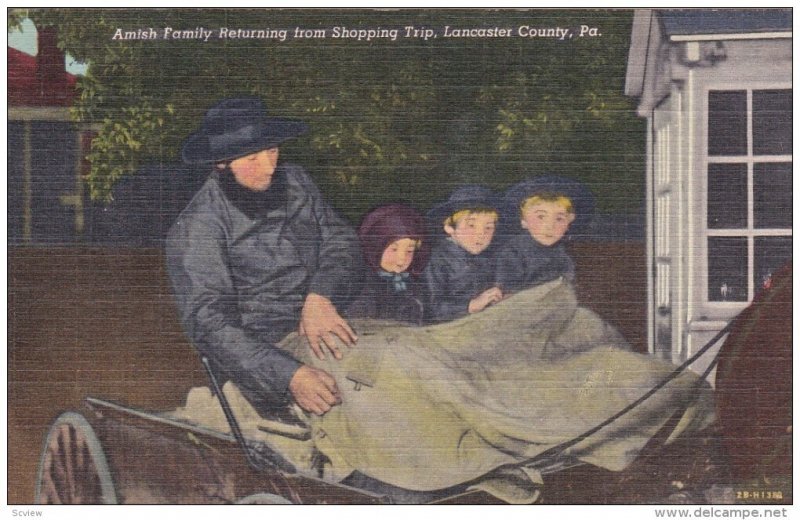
(400, 256)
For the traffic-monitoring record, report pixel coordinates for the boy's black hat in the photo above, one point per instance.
(236, 127)
(581, 198)
(465, 197)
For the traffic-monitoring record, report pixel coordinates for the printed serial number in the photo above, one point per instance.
(759, 495)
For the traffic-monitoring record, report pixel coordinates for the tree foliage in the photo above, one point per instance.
(15, 17)
(407, 119)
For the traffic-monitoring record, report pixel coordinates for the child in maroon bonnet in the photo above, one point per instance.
(395, 252)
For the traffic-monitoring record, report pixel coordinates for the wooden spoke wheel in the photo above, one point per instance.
(73, 467)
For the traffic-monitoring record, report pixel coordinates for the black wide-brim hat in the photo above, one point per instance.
(465, 197)
(551, 185)
(236, 127)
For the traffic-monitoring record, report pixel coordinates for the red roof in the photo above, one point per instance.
(33, 81)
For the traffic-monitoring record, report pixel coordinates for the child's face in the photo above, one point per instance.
(473, 232)
(398, 255)
(547, 222)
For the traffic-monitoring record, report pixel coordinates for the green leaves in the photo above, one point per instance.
(121, 137)
(408, 119)
(15, 17)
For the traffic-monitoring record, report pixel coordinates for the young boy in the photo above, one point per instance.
(460, 274)
(547, 208)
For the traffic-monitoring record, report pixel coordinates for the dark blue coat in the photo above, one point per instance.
(241, 264)
(522, 262)
(453, 277)
(379, 299)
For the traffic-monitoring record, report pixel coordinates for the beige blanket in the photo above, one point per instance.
(430, 407)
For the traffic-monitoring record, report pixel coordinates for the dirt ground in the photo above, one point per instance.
(100, 322)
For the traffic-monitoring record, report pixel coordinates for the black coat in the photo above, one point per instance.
(379, 299)
(453, 277)
(522, 262)
(241, 264)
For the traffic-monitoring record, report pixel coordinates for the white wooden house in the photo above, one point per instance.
(715, 86)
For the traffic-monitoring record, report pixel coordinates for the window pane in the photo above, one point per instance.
(727, 122)
(727, 196)
(769, 255)
(727, 269)
(772, 122)
(772, 195)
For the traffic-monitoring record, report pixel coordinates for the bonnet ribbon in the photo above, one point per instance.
(399, 279)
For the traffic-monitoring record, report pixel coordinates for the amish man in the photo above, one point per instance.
(258, 254)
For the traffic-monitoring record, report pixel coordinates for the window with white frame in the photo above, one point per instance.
(749, 190)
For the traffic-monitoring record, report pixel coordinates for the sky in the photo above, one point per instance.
(24, 40)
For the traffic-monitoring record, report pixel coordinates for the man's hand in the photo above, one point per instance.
(319, 322)
(485, 299)
(314, 390)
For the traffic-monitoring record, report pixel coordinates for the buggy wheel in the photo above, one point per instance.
(73, 467)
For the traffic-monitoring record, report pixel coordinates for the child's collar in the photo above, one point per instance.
(399, 279)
